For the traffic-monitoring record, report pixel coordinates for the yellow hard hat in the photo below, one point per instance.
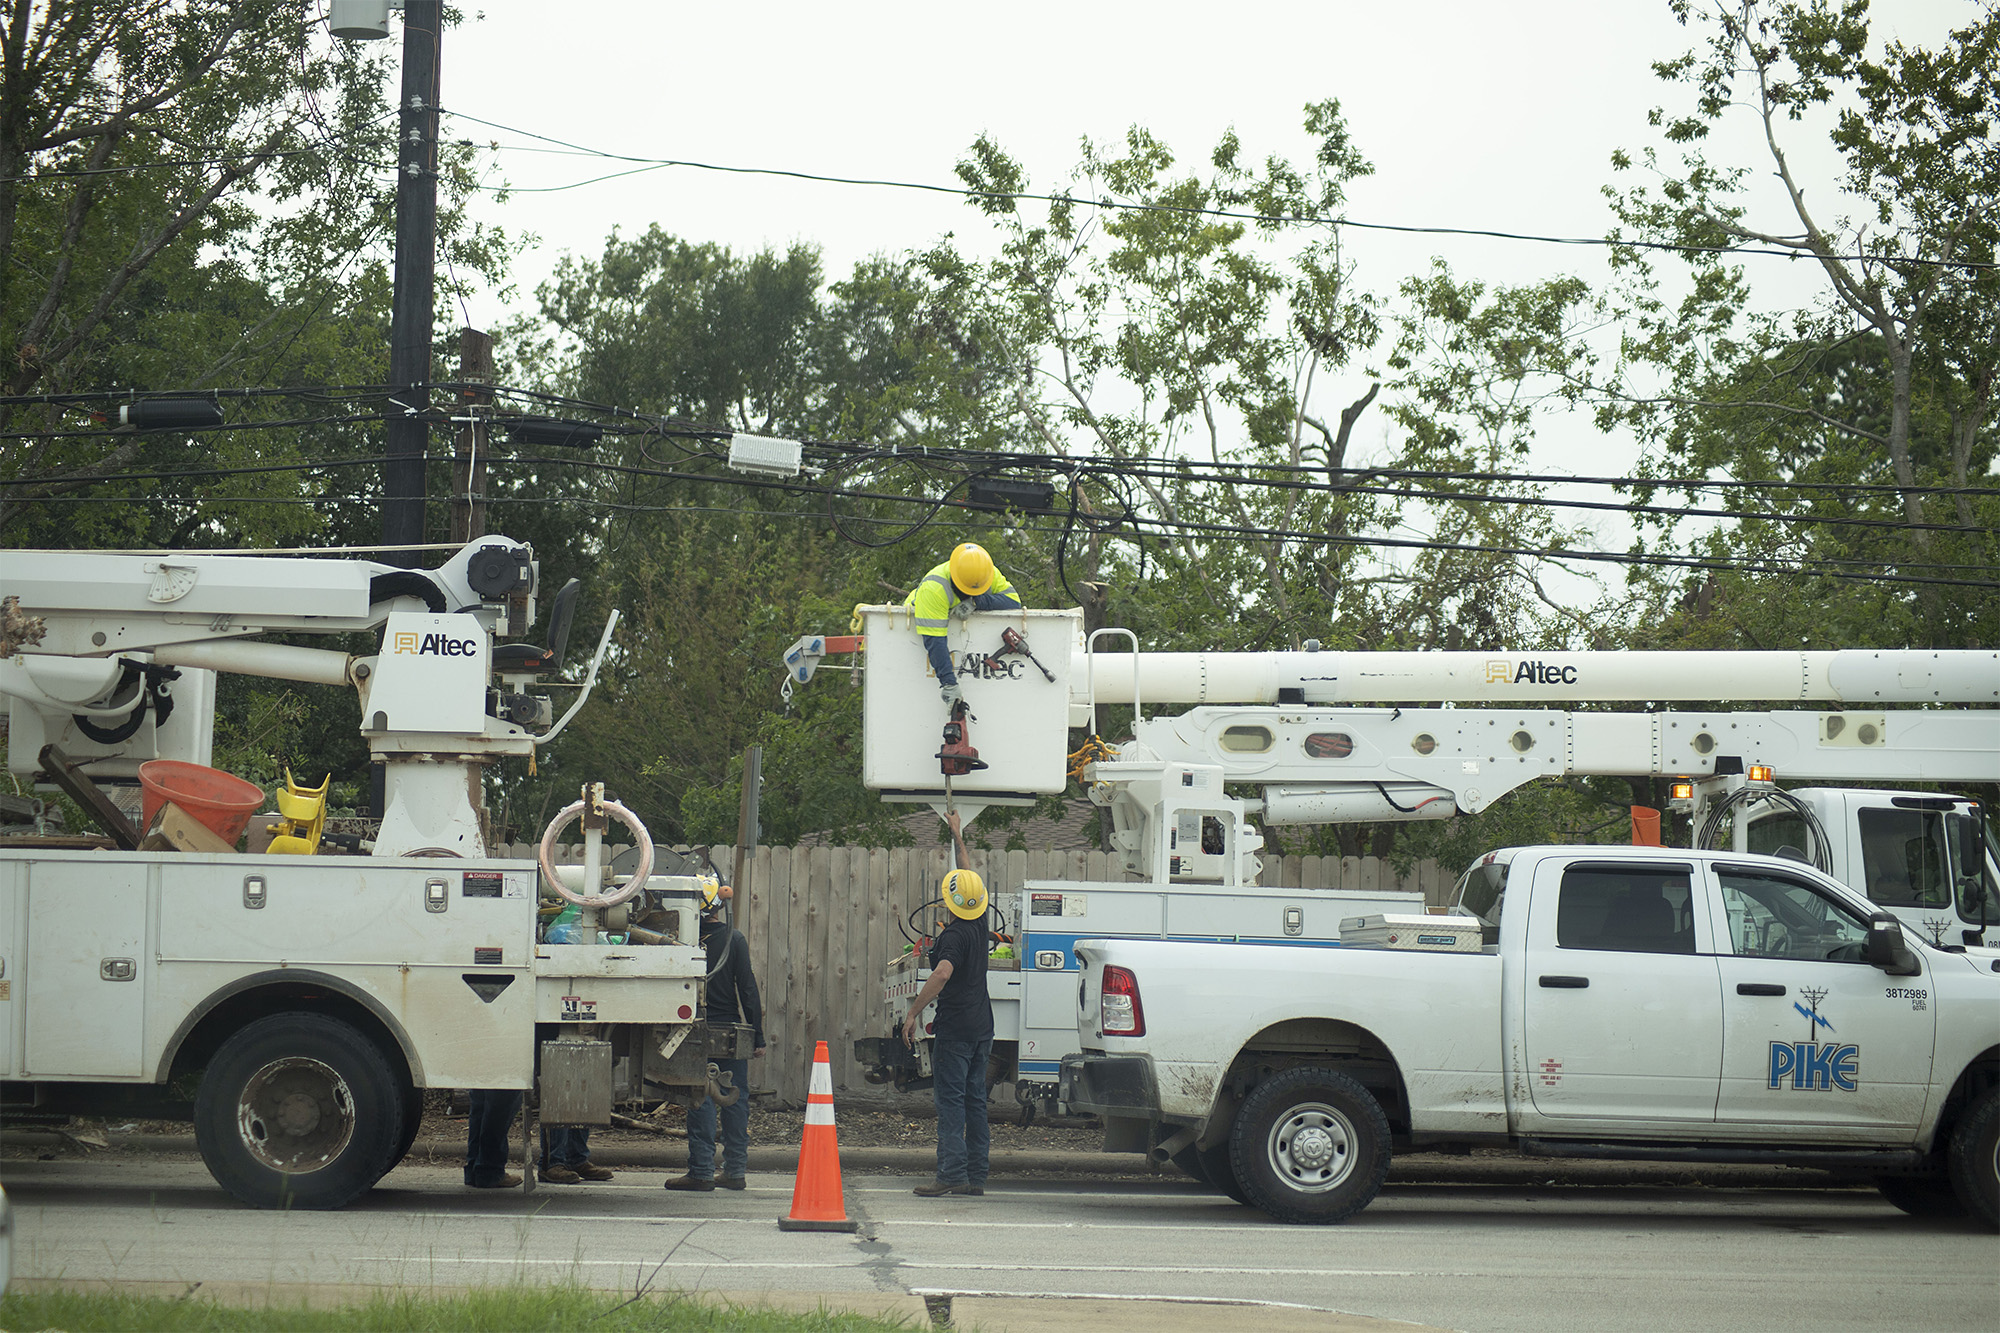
(965, 894)
(971, 569)
(712, 893)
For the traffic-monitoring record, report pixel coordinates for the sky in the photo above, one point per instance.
(1498, 116)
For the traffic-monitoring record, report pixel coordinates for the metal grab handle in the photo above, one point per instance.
(1565, 983)
(1090, 669)
(1758, 988)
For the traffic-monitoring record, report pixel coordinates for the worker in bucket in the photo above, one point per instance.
(732, 998)
(965, 583)
(963, 1031)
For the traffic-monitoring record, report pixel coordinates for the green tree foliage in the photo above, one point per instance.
(1879, 391)
(716, 579)
(196, 194)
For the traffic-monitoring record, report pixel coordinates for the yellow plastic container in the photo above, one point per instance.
(304, 812)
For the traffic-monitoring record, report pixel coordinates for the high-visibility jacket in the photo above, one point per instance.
(932, 601)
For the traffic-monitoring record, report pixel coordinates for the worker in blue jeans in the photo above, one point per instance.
(566, 1156)
(491, 1113)
(962, 1031)
(732, 998)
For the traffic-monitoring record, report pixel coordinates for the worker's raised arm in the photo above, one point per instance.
(960, 858)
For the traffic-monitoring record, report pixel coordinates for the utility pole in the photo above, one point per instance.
(468, 473)
(410, 307)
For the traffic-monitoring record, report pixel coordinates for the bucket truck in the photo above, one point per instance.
(1314, 737)
(294, 1006)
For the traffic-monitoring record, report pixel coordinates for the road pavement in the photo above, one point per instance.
(1112, 1251)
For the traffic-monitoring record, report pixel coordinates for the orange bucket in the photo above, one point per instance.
(221, 801)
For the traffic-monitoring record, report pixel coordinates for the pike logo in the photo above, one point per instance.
(1815, 1066)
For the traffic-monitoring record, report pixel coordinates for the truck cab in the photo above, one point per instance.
(1626, 1002)
(1931, 860)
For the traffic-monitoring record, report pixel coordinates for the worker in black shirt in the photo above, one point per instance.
(732, 998)
(963, 1030)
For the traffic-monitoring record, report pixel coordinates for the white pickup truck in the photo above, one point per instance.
(1638, 1003)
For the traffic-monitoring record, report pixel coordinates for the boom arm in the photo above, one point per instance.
(121, 634)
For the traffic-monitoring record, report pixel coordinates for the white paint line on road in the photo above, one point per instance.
(440, 1262)
(881, 1224)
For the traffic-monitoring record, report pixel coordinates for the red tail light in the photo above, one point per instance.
(1119, 1013)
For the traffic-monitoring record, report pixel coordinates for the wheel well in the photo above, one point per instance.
(234, 1011)
(1980, 1074)
(1333, 1043)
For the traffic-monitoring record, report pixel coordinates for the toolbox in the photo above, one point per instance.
(1435, 934)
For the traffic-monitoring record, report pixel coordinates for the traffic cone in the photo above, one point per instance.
(816, 1201)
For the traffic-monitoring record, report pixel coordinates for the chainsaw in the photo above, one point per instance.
(956, 757)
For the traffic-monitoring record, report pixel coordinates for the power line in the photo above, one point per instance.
(1263, 219)
(1213, 531)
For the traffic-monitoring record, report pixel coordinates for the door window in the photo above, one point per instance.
(1775, 917)
(1902, 858)
(1631, 909)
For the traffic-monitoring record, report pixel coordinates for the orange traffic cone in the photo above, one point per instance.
(816, 1201)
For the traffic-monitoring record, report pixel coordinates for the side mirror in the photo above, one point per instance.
(1971, 841)
(1886, 948)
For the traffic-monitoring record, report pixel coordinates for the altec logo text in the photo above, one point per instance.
(436, 645)
(1529, 673)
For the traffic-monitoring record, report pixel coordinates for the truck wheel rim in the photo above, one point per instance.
(1311, 1147)
(295, 1115)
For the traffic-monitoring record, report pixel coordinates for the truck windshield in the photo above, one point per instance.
(1903, 858)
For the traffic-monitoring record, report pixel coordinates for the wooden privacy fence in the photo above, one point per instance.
(823, 923)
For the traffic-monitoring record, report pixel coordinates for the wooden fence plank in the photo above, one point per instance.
(843, 905)
(787, 870)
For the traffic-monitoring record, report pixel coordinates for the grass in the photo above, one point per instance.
(494, 1310)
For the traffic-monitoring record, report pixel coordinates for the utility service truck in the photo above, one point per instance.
(1286, 738)
(1605, 1002)
(294, 1003)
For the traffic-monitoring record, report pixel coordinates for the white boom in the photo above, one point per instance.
(107, 643)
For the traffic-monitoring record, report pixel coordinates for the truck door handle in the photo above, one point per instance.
(1758, 988)
(1565, 983)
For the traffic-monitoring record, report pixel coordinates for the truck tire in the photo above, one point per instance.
(298, 1111)
(1310, 1145)
(1975, 1159)
(413, 1119)
(1921, 1196)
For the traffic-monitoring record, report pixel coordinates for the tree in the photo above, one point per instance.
(715, 580)
(1173, 324)
(194, 193)
(1887, 381)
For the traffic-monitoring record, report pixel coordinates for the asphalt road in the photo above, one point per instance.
(1098, 1252)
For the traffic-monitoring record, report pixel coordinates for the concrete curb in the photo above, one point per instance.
(1485, 1170)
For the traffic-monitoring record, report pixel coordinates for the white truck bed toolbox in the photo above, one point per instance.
(1437, 934)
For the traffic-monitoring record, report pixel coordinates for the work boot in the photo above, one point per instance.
(505, 1182)
(939, 1187)
(731, 1182)
(561, 1175)
(592, 1171)
(690, 1183)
